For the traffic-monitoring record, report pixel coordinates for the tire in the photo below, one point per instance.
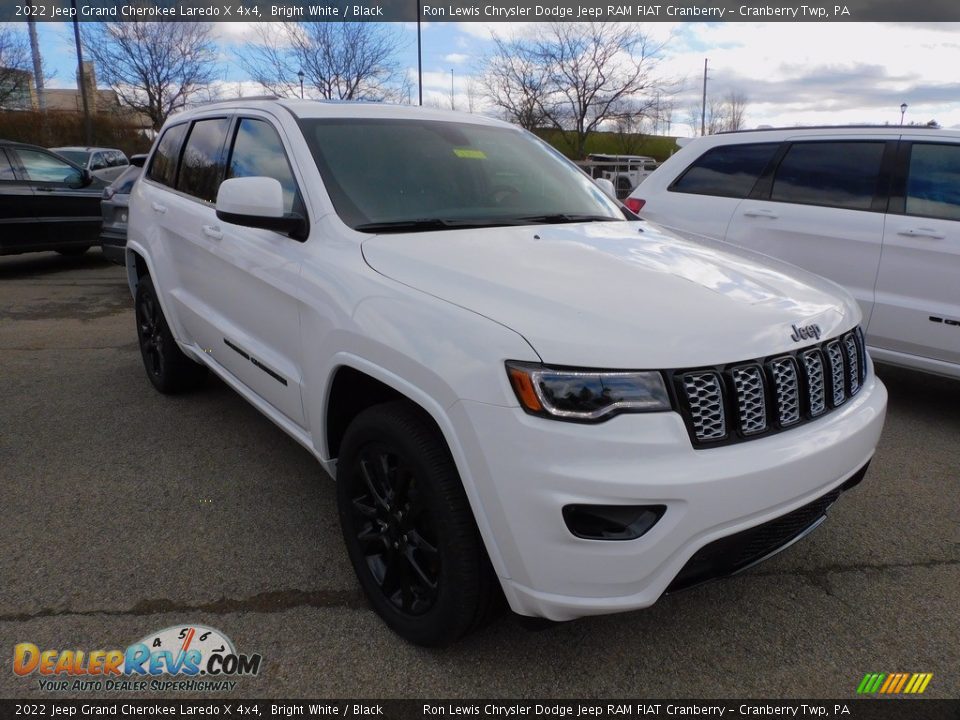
(73, 251)
(168, 368)
(408, 527)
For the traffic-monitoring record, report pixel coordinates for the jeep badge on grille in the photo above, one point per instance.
(805, 333)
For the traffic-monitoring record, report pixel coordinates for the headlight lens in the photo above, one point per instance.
(586, 395)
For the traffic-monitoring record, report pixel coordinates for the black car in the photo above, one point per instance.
(46, 202)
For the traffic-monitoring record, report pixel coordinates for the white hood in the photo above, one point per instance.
(617, 294)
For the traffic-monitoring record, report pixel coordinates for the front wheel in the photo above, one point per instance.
(409, 531)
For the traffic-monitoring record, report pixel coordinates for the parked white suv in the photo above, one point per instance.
(514, 385)
(876, 209)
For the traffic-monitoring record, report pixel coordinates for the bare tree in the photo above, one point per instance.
(14, 64)
(339, 61)
(723, 115)
(154, 67)
(516, 82)
(734, 110)
(594, 68)
(575, 77)
(629, 125)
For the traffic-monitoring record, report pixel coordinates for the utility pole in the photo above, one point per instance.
(81, 79)
(419, 57)
(453, 105)
(37, 63)
(703, 110)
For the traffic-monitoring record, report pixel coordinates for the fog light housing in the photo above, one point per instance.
(611, 522)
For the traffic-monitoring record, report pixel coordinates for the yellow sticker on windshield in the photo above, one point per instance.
(467, 153)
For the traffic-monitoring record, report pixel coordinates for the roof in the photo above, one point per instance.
(345, 109)
(78, 148)
(874, 130)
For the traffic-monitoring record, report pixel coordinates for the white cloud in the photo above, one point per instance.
(456, 58)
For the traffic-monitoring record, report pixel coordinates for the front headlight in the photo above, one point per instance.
(586, 395)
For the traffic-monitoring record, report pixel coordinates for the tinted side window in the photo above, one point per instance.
(201, 167)
(44, 167)
(98, 161)
(933, 182)
(727, 171)
(835, 174)
(258, 151)
(6, 169)
(163, 166)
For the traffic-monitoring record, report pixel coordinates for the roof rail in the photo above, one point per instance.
(865, 126)
(237, 99)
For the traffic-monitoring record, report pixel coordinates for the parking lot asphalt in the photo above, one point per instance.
(123, 512)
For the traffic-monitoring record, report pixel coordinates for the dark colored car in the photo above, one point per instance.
(46, 202)
(114, 206)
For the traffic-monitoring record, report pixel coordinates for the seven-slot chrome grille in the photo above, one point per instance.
(750, 399)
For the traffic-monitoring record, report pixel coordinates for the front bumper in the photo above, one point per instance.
(525, 469)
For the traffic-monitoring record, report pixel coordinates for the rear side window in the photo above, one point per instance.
(727, 171)
(258, 152)
(834, 174)
(163, 166)
(933, 183)
(201, 167)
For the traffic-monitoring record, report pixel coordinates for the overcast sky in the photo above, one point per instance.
(791, 73)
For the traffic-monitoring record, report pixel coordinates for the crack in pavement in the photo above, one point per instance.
(814, 573)
(267, 602)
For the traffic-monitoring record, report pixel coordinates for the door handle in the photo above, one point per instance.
(158, 208)
(212, 231)
(759, 212)
(922, 232)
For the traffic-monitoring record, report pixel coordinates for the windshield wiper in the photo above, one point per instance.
(558, 218)
(399, 226)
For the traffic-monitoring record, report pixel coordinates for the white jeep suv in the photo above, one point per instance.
(514, 385)
(876, 209)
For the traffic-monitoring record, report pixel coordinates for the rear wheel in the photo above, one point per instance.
(409, 531)
(168, 368)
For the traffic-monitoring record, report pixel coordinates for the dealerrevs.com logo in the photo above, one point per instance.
(200, 658)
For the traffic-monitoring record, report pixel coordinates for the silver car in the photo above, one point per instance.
(113, 206)
(105, 163)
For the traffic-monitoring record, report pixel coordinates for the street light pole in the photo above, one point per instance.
(300, 75)
(903, 110)
(81, 78)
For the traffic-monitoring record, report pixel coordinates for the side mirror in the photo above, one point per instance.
(138, 160)
(258, 202)
(607, 187)
(79, 178)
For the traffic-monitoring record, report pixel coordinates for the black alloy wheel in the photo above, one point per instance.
(408, 527)
(393, 530)
(168, 368)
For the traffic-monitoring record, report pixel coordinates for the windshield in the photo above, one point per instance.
(394, 175)
(124, 183)
(75, 156)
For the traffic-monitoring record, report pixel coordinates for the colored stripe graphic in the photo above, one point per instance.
(894, 683)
